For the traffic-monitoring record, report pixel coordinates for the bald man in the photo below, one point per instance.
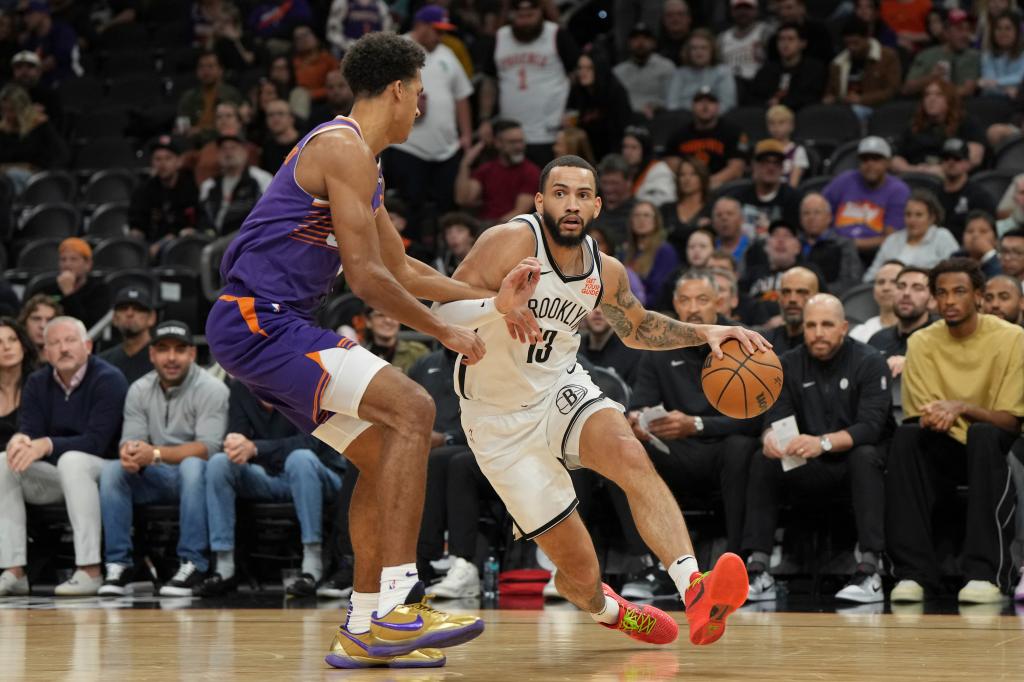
(1003, 299)
(795, 288)
(836, 256)
(837, 389)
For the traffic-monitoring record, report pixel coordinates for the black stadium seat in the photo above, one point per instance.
(925, 181)
(56, 220)
(106, 152)
(108, 221)
(827, 122)
(1010, 156)
(110, 185)
(989, 110)
(120, 253)
(42, 283)
(859, 302)
(48, 186)
(341, 310)
(184, 251)
(91, 124)
(664, 124)
(144, 279)
(136, 92)
(815, 184)
(78, 94)
(751, 120)
(892, 118)
(844, 158)
(182, 296)
(994, 182)
(40, 255)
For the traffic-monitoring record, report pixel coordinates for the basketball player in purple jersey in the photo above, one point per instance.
(326, 202)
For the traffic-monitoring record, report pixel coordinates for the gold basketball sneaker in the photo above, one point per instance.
(349, 651)
(414, 625)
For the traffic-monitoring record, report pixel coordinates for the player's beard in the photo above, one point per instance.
(566, 240)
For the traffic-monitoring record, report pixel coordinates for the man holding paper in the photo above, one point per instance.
(828, 432)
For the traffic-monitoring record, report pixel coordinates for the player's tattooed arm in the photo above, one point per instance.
(638, 327)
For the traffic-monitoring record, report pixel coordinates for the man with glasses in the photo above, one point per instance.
(1011, 253)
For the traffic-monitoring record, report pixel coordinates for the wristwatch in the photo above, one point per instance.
(826, 444)
(156, 456)
(698, 423)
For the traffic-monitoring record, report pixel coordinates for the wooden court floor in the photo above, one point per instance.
(109, 645)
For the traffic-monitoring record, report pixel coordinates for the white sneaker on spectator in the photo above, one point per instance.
(980, 592)
(762, 587)
(184, 583)
(10, 586)
(907, 591)
(461, 582)
(550, 591)
(80, 584)
(863, 588)
(124, 580)
(1018, 594)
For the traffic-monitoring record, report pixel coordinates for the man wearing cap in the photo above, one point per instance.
(27, 71)
(175, 418)
(68, 423)
(226, 199)
(742, 46)
(82, 297)
(782, 251)
(959, 197)
(768, 198)
(165, 204)
(954, 60)
(54, 41)
(868, 202)
(134, 316)
(720, 145)
(424, 167)
(645, 73)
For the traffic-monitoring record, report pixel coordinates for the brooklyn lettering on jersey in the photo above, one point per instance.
(564, 310)
(523, 59)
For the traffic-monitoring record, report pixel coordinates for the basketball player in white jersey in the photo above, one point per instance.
(530, 411)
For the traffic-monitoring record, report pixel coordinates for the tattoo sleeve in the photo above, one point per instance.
(654, 331)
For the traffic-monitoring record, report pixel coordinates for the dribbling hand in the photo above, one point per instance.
(749, 339)
(463, 341)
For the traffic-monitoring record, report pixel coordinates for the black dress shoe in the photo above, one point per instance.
(303, 587)
(216, 586)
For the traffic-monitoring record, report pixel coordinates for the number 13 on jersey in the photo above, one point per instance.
(535, 354)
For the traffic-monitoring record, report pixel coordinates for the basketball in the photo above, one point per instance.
(740, 385)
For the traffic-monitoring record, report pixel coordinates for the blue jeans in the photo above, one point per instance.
(166, 483)
(305, 481)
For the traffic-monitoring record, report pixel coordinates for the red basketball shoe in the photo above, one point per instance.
(643, 623)
(713, 595)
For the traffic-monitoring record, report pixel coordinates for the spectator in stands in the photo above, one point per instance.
(912, 310)
(986, 12)
(8, 43)
(28, 142)
(425, 166)
(54, 41)
(1011, 207)
(718, 144)
(836, 256)
(645, 73)
(868, 202)
(226, 199)
(164, 206)
(134, 316)
(18, 359)
(1002, 298)
(727, 222)
(680, 217)
(781, 122)
(837, 390)
(68, 423)
(337, 100)
(741, 308)
(958, 197)
(940, 116)
(237, 51)
(653, 179)
(1011, 253)
(382, 340)
(573, 141)
(311, 62)
(199, 104)
(964, 381)
(83, 297)
(276, 19)
(865, 74)
(204, 16)
(908, 18)
(793, 78)
(646, 251)
(604, 348)
(884, 292)
(265, 458)
(1002, 64)
(281, 74)
(174, 417)
(503, 188)
(696, 252)
(869, 11)
(35, 314)
(676, 24)
(605, 246)
(349, 20)
(701, 74)
(816, 33)
(768, 198)
(206, 162)
(27, 71)
(782, 251)
(980, 241)
(796, 287)
(459, 231)
(531, 63)
(707, 451)
(728, 293)
(742, 46)
(282, 136)
(954, 62)
(616, 191)
(598, 104)
(922, 242)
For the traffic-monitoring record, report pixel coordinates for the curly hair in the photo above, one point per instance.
(964, 265)
(954, 109)
(378, 59)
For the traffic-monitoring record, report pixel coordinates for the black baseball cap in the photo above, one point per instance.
(705, 92)
(955, 148)
(641, 29)
(779, 224)
(173, 329)
(136, 295)
(168, 142)
(230, 137)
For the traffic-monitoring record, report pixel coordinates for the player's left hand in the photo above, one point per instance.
(716, 335)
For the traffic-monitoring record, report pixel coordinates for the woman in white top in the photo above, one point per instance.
(922, 242)
(1002, 65)
(653, 179)
(701, 69)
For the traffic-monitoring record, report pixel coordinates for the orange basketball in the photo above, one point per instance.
(740, 385)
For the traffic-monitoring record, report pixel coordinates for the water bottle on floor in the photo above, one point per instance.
(491, 570)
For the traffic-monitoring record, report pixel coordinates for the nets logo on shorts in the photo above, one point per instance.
(569, 397)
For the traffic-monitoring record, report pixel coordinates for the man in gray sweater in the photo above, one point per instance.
(174, 419)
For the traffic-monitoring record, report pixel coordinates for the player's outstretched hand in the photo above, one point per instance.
(518, 286)
(464, 341)
(749, 339)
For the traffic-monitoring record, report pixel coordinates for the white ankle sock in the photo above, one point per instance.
(609, 614)
(360, 606)
(226, 564)
(395, 583)
(311, 561)
(681, 570)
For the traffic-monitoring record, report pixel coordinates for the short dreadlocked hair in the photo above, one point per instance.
(378, 59)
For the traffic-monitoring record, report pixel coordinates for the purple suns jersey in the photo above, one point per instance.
(286, 251)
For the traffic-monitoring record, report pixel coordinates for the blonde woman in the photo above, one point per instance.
(28, 142)
(647, 253)
(573, 140)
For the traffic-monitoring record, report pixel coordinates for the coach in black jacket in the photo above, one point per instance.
(838, 391)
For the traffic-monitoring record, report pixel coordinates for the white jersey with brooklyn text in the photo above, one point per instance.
(516, 375)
